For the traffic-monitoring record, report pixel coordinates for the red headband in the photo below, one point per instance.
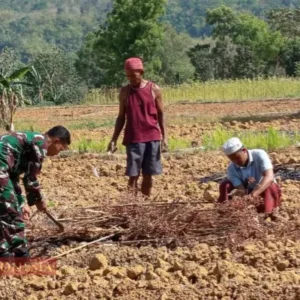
(133, 63)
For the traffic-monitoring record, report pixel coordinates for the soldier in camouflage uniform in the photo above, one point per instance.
(23, 153)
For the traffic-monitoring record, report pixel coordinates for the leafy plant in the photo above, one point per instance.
(11, 96)
(54, 79)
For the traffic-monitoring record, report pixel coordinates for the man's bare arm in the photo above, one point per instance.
(120, 121)
(238, 191)
(160, 110)
(268, 177)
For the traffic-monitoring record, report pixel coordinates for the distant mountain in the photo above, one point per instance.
(30, 26)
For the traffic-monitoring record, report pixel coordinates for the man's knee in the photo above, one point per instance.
(225, 187)
(272, 197)
(226, 184)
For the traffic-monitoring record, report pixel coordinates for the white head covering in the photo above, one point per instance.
(232, 145)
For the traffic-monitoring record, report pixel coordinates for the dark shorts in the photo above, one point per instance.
(143, 157)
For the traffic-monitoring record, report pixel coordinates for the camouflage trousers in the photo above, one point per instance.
(12, 227)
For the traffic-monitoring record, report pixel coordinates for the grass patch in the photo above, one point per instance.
(25, 126)
(85, 145)
(178, 143)
(270, 140)
(213, 91)
(92, 124)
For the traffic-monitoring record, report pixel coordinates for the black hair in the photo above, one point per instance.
(61, 133)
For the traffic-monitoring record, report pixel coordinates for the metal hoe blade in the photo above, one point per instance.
(61, 226)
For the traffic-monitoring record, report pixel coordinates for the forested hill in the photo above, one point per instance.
(30, 26)
(189, 15)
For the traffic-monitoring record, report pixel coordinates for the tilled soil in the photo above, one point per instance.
(256, 269)
(266, 269)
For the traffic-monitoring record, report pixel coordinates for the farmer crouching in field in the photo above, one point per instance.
(142, 108)
(23, 153)
(250, 173)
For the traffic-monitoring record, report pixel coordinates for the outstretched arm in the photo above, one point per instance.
(160, 110)
(120, 122)
(267, 179)
(34, 162)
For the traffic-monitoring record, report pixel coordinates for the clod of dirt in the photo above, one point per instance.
(290, 277)
(96, 273)
(66, 270)
(99, 261)
(141, 284)
(162, 273)
(271, 246)
(117, 272)
(164, 296)
(150, 275)
(200, 253)
(100, 282)
(210, 195)
(31, 297)
(250, 249)
(194, 271)
(70, 288)
(163, 264)
(177, 265)
(104, 171)
(135, 272)
(155, 285)
(38, 284)
(124, 287)
(119, 167)
(51, 285)
(84, 286)
(281, 266)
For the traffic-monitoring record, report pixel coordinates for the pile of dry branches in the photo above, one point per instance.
(159, 223)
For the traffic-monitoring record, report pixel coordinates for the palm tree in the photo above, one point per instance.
(11, 96)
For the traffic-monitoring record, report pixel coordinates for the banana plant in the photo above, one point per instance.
(11, 96)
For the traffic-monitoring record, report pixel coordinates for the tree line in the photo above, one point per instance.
(240, 45)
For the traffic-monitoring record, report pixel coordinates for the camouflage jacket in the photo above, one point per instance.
(23, 153)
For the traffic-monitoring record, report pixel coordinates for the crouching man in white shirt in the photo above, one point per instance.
(250, 173)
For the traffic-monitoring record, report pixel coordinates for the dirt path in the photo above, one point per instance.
(213, 109)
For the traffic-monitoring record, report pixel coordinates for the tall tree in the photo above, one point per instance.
(251, 35)
(88, 65)
(290, 57)
(131, 29)
(176, 65)
(202, 60)
(286, 20)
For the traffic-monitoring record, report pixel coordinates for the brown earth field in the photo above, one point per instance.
(262, 266)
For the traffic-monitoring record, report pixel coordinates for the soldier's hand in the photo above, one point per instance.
(26, 212)
(41, 206)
